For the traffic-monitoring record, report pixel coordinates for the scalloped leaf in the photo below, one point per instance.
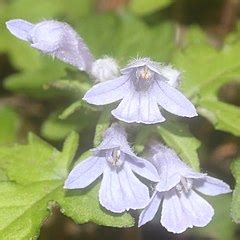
(177, 136)
(212, 69)
(38, 172)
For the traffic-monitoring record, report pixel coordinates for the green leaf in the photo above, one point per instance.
(24, 208)
(177, 136)
(196, 36)
(156, 42)
(201, 84)
(32, 82)
(220, 67)
(38, 172)
(102, 125)
(143, 7)
(56, 129)
(235, 209)
(142, 137)
(224, 116)
(73, 10)
(130, 37)
(71, 85)
(79, 105)
(9, 125)
(71, 109)
(3, 175)
(64, 160)
(73, 204)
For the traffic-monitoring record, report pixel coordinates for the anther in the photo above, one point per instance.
(114, 158)
(144, 73)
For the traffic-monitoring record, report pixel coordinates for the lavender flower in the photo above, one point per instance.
(54, 38)
(120, 189)
(178, 188)
(142, 86)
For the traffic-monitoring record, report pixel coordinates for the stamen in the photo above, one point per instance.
(114, 158)
(144, 78)
(144, 73)
(185, 184)
(179, 187)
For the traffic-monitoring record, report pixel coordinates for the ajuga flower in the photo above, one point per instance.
(142, 86)
(54, 38)
(120, 189)
(178, 188)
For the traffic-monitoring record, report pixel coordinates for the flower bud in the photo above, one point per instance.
(104, 69)
(54, 38)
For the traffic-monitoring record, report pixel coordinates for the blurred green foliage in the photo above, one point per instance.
(142, 7)
(9, 125)
(235, 211)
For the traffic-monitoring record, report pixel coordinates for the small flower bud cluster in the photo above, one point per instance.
(144, 89)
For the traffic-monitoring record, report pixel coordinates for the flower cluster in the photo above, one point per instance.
(177, 184)
(144, 89)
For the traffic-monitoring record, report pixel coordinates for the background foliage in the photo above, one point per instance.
(39, 95)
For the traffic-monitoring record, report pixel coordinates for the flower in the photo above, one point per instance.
(104, 69)
(54, 38)
(177, 189)
(142, 86)
(120, 189)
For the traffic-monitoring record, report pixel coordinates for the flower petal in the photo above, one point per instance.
(195, 175)
(114, 137)
(143, 168)
(138, 107)
(168, 182)
(108, 92)
(172, 100)
(211, 186)
(67, 45)
(150, 211)
(182, 210)
(54, 38)
(110, 193)
(121, 190)
(45, 47)
(199, 211)
(174, 218)
(170, 168)
(136, 194)
(20, 28)
(171, 74)
(140, 62)
(86, 172)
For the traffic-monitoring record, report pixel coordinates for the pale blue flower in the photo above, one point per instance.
(178, 191)
(120, 189)
(142, 86)
(54, 38)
